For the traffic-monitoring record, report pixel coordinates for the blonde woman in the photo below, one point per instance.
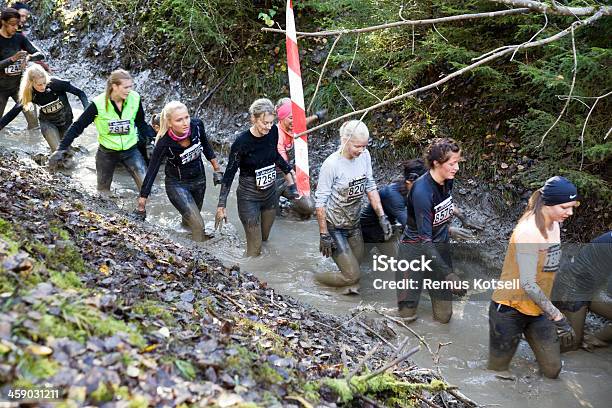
(254, 153)
(117, 113)
(345, 178)
(49, 94)
(182, 141)
(533, 259)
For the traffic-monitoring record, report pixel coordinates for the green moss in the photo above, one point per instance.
(152, 309)
(186, 369)
(138, 401)
(56, 327)
(6, 229)
(242, 358)
(65, 280)
(265, 373)
(34, 367)
(311, 391)
(59, 232)
(386, 384)
(103, 393)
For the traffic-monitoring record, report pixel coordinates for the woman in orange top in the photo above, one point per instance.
(532, 260)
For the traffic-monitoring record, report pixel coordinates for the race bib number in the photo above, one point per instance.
(356, 188)
(192, 153)
(443, 211)
(15, 68)
(119, 127)
(265, 177)
(553, 258)
(52, 107)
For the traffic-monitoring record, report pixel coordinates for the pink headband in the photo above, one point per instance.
(284, 111)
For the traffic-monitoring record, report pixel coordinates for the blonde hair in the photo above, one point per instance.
(535, 207)
(164, 117)
(30, 75)
(352, 129)
(261, 107)
(115, 78)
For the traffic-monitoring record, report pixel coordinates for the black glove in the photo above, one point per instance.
(386, 226)
(321, 114)
(56, 159)
(565, 332)
(139, 215)
(217, 177)
(293, 192)
(326, 245)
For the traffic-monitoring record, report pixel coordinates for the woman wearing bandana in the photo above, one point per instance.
(182, 141)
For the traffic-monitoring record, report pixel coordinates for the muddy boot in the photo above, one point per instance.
(408, 314)
(442, 310)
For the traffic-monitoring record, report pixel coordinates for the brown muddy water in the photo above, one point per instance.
(291, 257)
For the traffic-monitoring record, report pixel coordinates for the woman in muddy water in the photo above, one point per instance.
(430, 211)
(255, 153)
(49, 94)
(182, 141)
(345, 178)
(117, 113)
(532, 259)
(303, 205)
(15, 52)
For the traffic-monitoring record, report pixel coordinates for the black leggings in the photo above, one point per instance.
(506, 324)
(257, 211)
(187, 197)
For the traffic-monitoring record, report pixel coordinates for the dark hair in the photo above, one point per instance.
(9, 13)
(440, 150)
(19, 5)
(413, 169)
(534, 206)
(155, 119)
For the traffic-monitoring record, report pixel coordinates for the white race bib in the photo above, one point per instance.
(356, 188)
(265, 177)
(192, 153)
(15, 68)
(52, 107)
(443, 211)
(119, 127)
(553, 258)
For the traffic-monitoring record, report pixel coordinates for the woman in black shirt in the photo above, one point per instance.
(182, 141)
(55, 114)
(15, 52)
(255, 153)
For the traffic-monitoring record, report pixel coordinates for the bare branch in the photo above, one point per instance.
(405, 22)
(556, 9)
(597, 99)
(532, 37)
(608, 133)
(365, 326)
(391, 364)
(354, 53)
(362, 87)
(322, 72)
(439, 33)
(460, 72)
(569, 98)
(362, 362)
(345, 98)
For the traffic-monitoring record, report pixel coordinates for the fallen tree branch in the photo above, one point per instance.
(365, 326)
(556, 9)
(460, 72)
(359, 366)
(571, 91)
(429, 21)
(391, 364)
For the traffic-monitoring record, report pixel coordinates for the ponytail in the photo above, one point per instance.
(534, 207)
(33, 73)
(164, 117)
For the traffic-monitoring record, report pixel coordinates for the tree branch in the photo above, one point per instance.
(460, 72)
(597, 99)
(322, 72)
(571, 91)
(404, 23)
(556, 9)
